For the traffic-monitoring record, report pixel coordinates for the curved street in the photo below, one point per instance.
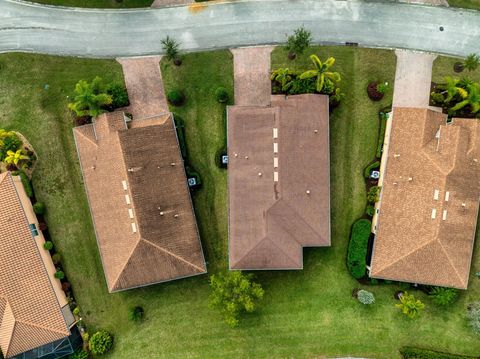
(206, 26)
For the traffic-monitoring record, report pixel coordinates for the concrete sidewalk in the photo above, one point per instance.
(144, 85)
(251, 66)
(413, 78)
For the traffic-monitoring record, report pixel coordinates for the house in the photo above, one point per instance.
(35, 319)
(278, 181)
(139, 200)
(428, 208)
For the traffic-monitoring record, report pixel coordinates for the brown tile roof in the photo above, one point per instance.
(30, 314)
(139, 200)
(271, 221)
(433, 170)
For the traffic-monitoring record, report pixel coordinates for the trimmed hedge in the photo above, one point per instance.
(27, 184)
(381, 136)
(369, 168)
(357, 248)
(180, 127)
(419, 353)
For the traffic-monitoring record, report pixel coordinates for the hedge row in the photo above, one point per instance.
(180, 126)
(381, 136)
(368, 169)
(419, 353)
(357, 248)
(27, 184)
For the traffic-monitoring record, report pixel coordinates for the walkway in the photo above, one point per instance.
(251, 66)
(413, 78)
(206, 26)
(144, 85)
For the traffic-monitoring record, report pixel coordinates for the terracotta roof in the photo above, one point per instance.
(429, 200)
(30, 314)
(271, 219)
(139, 200)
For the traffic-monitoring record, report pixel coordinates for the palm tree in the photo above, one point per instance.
(15, 157)
(410, 306)
(321, 72)
(90, 98)
(452, 89)
(472, 99)
(170, 46)
(472, 62)
(282, 76)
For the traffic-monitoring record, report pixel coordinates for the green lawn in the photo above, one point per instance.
(306, 313)
(443, 66)
(466, 4)
(115, 4)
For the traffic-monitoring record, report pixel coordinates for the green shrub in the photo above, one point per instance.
(76, 311)
(59, 274)
(383, 87)
(381, 136)
(119, 95)
(9, 143)
(180, 127)
(370, 210)
(100, 342)
(437, 98)
(365, 297)
(56, 258)
(443, 296)
(79, 354)
(176, 97)
(419, 353)
(410, 306)
(27, 184)
(48, 245)
(357, 248)
(39, 208)
(369, 168)
(299, 41)
(373, 194)
(221, 94)
(136, 314)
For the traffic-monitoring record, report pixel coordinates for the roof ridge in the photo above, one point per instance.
(172, 254)
(26, 322)
(450, 261)
(406, 255)
(120, 272)
(83, 135)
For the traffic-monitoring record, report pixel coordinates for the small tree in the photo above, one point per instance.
(472, 62)
(443, 296)
(234, 293)
(90, 98)
(136, 314)
(321, 73)
(171, 48)
(365, 297)
(298, 42)
(410, 306)
(100, 342)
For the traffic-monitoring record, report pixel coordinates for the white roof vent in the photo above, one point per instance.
(434, 213)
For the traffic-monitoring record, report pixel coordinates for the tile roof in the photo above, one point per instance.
(139, 200)
(279, 181)
(429, 200)
(30, 314)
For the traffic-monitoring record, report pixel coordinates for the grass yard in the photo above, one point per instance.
(114, 4)
(443, 66)
(306, 313)
(466, 4)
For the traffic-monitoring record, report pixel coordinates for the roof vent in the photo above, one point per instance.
(444, 215)
(316, 131)
(259, 174)
(308, 191)
(175, 215)
(172, 164)
(161, 213)
(436, 194)
(434, 213)
(410, 179)
(396, 155)
(246, 157)
(236, 154)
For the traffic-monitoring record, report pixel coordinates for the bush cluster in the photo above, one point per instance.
(443, 296)
(373, 194)
(357, 248)
(119, 95)
(381, 137)
(136, 314)
(180, 127)
(39, 208)
(79, 354)
(365, 297)
(101, 342)
(27, 184)
(176, 97)
(221, 94)
(419, 353)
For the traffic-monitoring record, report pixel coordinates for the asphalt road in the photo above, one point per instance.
(113, 33)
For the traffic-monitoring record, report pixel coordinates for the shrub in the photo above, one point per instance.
(171, 48)
(370, 210)
(176, 97)
(119, 95)
(79, 354)
(59, 274)
(357, 248)
(381, 137)
(473, 316)
(39, 208)
(472, 62)
(180, 127)
(48, 245)
(443, 296)
(369, 168)
(100, 342)
(419, 353)
(299, 41)
(383, 87)
(56, 258)
(221, 95)
(136, 314)
(365, 297)
(90, 98)
(373, 194)
(76, 311)
(234, 293)
(27, 184)
(410, 306)
(437, 98)
(9, 143)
